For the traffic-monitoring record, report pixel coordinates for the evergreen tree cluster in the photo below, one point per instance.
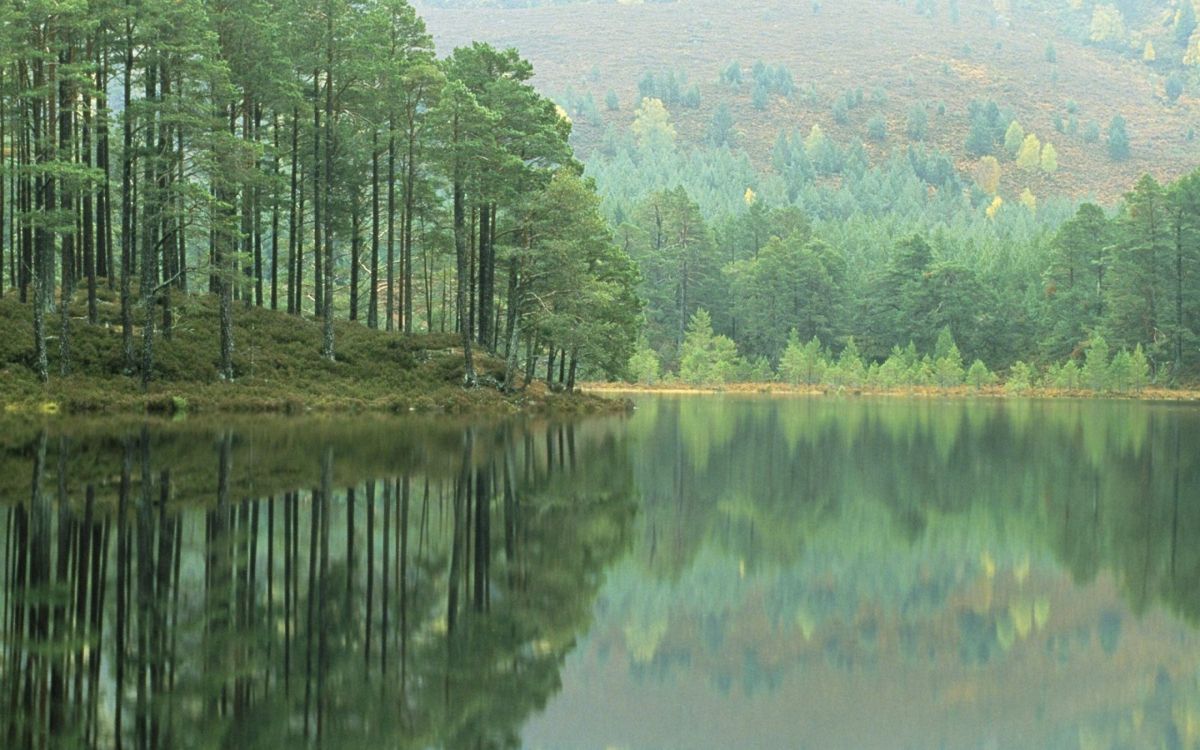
(313, 156)
(671, 88)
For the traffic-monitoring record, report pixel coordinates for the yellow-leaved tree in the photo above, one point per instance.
(652, 124)
(1030, 152)
(1029, 200)
(1049, 158)
(1192, 55)
(994, 208)
(987, 175)
(1107, 24)
(1013, 138)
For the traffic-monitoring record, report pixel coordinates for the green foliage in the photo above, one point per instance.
(731, 75)
(1185, 24)
(988, 127)
(948, 362)
(611, 101)
(849, 372)
(1065, 377)
(674, 249)
(644, 366)
(1139, 370)
(1020, 378)
(877, 129)
(792, 283)
(671, 87)
(757, 370)
(760, 97)
(1118, 139)
(978, 376)
(917, 124)
(1091, 132)
(1095, 373)
(1174, 86)
(802, 363)
(706, 358)
(720, 130)
(1014, 136)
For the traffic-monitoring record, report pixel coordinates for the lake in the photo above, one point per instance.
(709, 572)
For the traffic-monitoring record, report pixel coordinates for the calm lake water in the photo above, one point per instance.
(711, 572)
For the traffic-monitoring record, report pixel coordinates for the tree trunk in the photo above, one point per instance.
(327, 338)
(152, 204)
(89, 229)
(486, 276)
(294, 230)
(355, 249)
(318, 280)
(256, 215)
(373, 292)
(66, 134)
(275, 213)
(127, 238)
(461, 252)
(390, 304)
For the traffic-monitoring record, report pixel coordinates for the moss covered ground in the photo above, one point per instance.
(277, 368)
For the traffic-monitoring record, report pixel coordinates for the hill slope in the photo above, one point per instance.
(934, 56)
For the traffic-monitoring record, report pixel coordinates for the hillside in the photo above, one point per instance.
(929, 55)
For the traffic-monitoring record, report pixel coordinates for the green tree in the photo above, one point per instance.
(674, 248)
(1135, 304)
(802, 363)
(917, 124)
(706, 358)
(948, 362)
(979, 376)
(1014, 137)
(1076, 280)
(792, 283)
(720, 130)
(644, 367)
(1095, 373)
(1118, 139)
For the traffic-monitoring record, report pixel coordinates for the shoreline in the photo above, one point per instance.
(121, 397)
(1171, 395)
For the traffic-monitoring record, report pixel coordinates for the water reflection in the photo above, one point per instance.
(266, 585)
(857, 573)
(712, 573)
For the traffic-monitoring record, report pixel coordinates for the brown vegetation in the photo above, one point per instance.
(869, 45)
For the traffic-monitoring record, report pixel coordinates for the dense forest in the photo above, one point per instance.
(319, 158)
(314, 157)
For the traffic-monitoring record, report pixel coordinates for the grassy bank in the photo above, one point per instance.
(277, 369)
(784, 389)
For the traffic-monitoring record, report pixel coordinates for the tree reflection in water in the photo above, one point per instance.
(342, 585)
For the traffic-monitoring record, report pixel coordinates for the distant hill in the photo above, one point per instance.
(1061, 69)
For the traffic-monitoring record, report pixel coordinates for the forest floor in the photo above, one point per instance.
(932, 392)
(278, 368)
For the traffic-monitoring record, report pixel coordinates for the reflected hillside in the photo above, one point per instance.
(285, 583)
(960, 569)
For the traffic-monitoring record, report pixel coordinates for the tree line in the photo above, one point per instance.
(313, 156)
(735, 297)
